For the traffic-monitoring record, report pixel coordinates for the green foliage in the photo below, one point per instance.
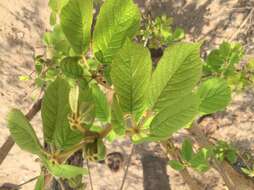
(99, 89)
(23, 133)
(224, 59)
(130, 74)
(158, 33)
(117, 119)
(54, 112)
(74, 99)
(199, 161)
(248, 172)
(76, 20)
(175, 116)
(225, 62)
(176, 165)
(63, 170)
(71, 67)
(40, 183)
(224, 151)
(56, 41)
(215, 95)
(176, 75)
(117, 21)
(102, 108)
(187, 151)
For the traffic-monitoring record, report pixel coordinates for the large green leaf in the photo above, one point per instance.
(117, 119)
(215, 95)
(63, 170)
(54, 112)
(176, 74)
(117, 20)
(101, 104)
(76, 21)
(130, 74)
(174, 117)
(23, 133)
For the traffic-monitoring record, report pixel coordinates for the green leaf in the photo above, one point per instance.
(178, 34)
(215, 95)
(174, 117)
(176, 74)
(117, 119)
(76, 20)
(214, 61)
(23, 133)
(102, 109)
(186, 150)
(200, 160)
(117, 21)
(54, 112)
(63, 170)
(87, 112)
(57, 5)
(86, 103)
(74, 99)
(248, 172)
(40, 183)
(71, 67)
(176, 165)
(130, 74)
(56, 40)
(224, 58)
(231, 156)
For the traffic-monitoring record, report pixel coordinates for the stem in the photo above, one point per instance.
(65, 155)
(105, 131)
(127, 167)
(89, 174)
(61, 184)
(28, 181)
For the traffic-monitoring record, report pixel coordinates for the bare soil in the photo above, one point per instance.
(22, 24)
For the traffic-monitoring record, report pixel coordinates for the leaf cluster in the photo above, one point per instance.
(100, 85)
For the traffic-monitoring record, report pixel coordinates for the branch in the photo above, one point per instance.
(8, 144)
(174, 153)
(127, 167)
(233, 180)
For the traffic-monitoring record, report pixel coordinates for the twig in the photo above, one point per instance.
(28, 181)
(89, 174)
(8, 144)
(61, 184)
(127, 167)
(242, 25)
(174, 153)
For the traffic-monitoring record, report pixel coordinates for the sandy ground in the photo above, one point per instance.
(22, 24)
